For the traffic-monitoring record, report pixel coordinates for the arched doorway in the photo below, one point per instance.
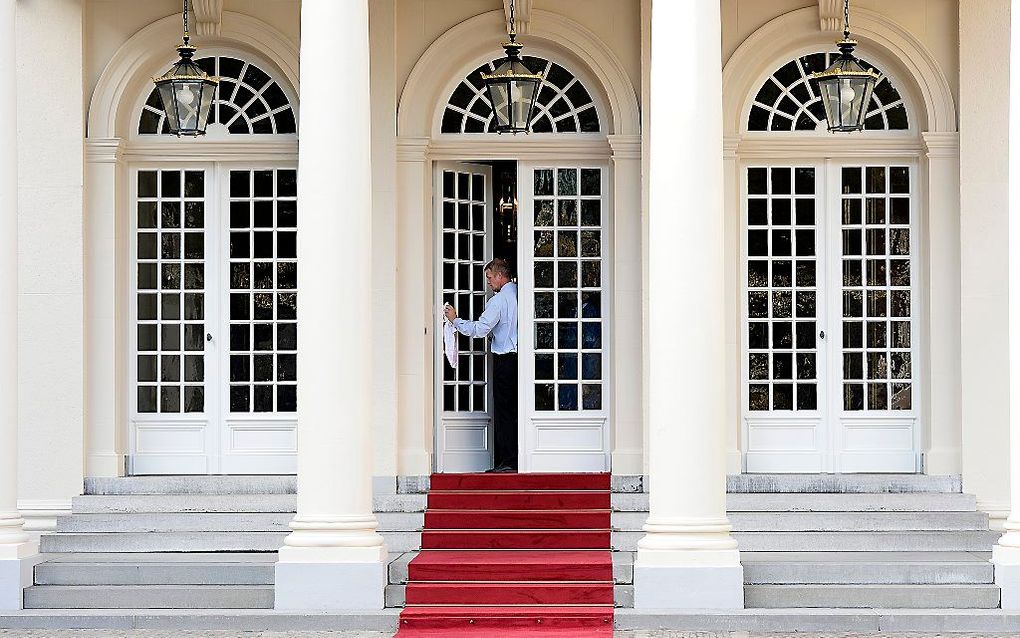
(560, 234)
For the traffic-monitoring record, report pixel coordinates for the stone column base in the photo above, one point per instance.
(688, 587)
(15, 576)
(330, 586)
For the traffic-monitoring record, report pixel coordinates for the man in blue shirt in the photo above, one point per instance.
(500, 320)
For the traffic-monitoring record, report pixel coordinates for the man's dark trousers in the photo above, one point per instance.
(504, 410)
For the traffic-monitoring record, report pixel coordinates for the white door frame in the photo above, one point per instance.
(199, 443)
(830, 451)
(550, 149)
(462, 442)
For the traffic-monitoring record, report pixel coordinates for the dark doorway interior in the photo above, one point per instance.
(504, 212)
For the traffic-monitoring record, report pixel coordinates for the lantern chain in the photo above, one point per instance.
(187, 36)
(846, 19)
(512, 27)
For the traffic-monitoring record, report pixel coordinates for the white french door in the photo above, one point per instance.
(829, 344)
(214, 313)
(463, 218)
(563, 245)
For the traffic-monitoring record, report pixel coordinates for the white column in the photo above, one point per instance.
(628, 433)
(1006, 553)
(16, 547)
(687, 559)
(104, 453)
(334, 558)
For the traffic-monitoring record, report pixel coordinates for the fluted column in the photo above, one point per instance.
(334, 558)
(15, 544)
(687, 558)
(1006, 553)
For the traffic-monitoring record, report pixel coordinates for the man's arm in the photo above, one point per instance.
(485, 323)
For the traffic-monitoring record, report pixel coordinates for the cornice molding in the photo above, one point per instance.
(942, 144)
(625, 146)
(174, 149)
(773, 146)
(412, 149)
(104, 150)
(529, 147)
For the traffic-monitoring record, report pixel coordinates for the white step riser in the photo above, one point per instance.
(880, 596)
(149, 573)
(844, 541)
(140, 597)
(824, 502)
(218, 522)
(623, 595)
(194, 542)
(832, 521)
(842, 483)
(227, 503)
(868, 573)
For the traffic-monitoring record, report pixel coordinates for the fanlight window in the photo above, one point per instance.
(790, 101)
(247, 101)
(563, 105)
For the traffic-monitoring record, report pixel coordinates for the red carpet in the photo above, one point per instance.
(513, 555)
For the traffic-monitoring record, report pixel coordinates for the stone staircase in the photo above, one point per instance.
(184, 543)
(829, 541)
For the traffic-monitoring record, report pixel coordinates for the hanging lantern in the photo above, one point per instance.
(512, 87)
(846, 85)
(186, 91)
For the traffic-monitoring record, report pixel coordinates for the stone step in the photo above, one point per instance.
(192, 541)
(149, 597)
(623, 568)
(865, 568)
(842, 483)
(832, 521)
(872, 596)
(226, 503)
(963, 541)
(786, 502)
(213, 522)
(623, 595)
(156, 571)
(192, 485)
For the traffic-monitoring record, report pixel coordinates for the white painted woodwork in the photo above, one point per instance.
(464, 435)
(563, 439)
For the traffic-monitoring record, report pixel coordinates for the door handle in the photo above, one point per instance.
(821, 334)
(208, 336)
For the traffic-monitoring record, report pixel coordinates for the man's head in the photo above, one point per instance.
(497, 273)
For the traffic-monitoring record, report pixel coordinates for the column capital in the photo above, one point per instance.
(413, 149)
(104, 150)
(730, 143)
(625, 146)
(937, 144)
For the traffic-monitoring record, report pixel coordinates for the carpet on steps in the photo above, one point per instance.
(513, 555)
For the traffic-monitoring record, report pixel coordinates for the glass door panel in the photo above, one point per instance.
(463, 201)
(564, 298)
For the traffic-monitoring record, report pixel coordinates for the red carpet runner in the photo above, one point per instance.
(513, 555)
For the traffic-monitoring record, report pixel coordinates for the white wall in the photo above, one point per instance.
(50, 132)
(984, 46)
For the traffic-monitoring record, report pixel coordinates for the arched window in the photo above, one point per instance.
(789, 100)
(563, 105)
(247, 101)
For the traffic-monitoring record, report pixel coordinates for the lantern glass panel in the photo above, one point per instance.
(498, 92)
(189, 98)
(166, 94)
(208, 89)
